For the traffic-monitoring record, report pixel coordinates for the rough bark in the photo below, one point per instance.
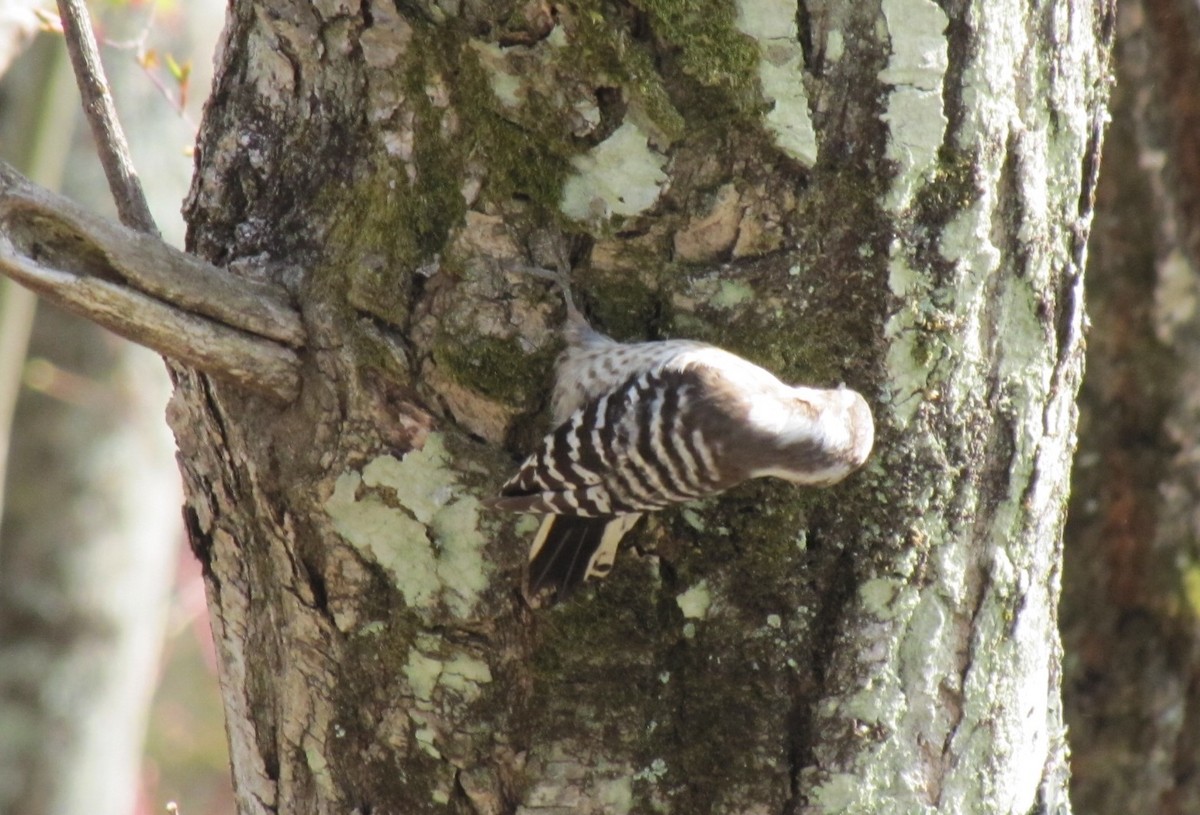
(893, 196)
(1132, 594)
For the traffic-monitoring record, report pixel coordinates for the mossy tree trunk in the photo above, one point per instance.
(896, 197)
(1131, 597)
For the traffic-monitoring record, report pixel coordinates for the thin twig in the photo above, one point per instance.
(102, 117)
(146, 59)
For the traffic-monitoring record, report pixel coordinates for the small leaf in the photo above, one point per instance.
(50, 22)
(180, 72)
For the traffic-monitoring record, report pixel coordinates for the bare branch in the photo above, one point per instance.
(102, 117)
(250, 361)
(56, 231)
(131, 282)
(148, 291)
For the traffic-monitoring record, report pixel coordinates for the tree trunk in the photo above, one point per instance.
(1132, 594)
(894, 197)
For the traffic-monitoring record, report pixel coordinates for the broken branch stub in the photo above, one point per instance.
(148, 291)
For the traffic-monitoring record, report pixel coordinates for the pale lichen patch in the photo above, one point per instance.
(390, 536)
(615, 794)
(464, 674)
(455, 529)
(840, 792)
(655, 771)
(767, 19)
(910, 372)
(425, 737)
(422, 496)
(440, 686)
(714, 291)
(572, 778)
(695, 602)
(621, 175)
(372, 629)
(732, 293)
(393, 507)
(781, 74)
(422, 673)
(916, 70)
(835, 46)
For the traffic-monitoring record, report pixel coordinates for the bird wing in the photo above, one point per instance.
(629, 450)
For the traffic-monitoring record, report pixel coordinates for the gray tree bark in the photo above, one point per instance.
(1132, 594)
(895, 196)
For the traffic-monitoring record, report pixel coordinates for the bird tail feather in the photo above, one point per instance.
(569, 549)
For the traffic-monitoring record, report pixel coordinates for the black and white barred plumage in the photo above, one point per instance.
(642, 426)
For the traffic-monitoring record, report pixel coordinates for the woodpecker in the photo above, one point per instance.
(642, 426)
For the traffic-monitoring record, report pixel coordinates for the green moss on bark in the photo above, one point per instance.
(712, 50)
(498, 368)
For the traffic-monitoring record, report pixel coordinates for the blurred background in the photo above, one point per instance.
(109, 703)
(108, 691)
